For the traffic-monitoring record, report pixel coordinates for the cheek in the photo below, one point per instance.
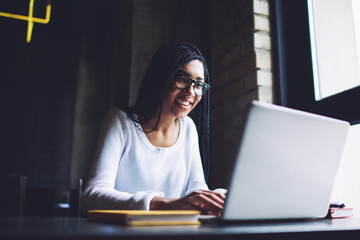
(170, 93)
(170, 96)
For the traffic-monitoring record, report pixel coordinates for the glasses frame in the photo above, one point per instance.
(192, 82)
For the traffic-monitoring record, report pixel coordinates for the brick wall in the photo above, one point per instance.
(240, 72)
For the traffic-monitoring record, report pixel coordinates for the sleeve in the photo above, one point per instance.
(196, 176)
(99, 192)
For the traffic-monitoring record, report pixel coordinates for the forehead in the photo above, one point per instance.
(195, 68)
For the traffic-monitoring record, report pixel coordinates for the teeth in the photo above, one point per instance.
(186, 103)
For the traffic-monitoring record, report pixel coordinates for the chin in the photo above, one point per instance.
(182, 114)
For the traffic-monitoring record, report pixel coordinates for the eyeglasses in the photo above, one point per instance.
(184, 81)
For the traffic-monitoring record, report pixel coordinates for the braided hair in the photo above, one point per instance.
(167, 60)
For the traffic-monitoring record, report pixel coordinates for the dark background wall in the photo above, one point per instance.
(38, 86)
(91, 57)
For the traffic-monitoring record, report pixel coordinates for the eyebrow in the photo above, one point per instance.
(188, 75)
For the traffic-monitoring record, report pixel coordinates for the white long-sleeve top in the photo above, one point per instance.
(128, 171)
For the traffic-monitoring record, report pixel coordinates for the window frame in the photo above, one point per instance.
(292, 63)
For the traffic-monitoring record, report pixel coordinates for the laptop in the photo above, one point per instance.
(286, 164)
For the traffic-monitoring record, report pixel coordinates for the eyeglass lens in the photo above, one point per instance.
(184, 82)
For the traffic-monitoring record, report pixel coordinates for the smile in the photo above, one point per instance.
(183, 102)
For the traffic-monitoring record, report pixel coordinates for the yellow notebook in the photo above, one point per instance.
(145, 218)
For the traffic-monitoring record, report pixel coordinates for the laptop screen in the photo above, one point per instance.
(286, 164)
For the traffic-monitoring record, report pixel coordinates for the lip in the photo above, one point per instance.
(180, 102)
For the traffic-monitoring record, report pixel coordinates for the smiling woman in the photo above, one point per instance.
(181, 97)
(148, 156)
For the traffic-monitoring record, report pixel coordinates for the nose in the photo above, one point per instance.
(190, 89)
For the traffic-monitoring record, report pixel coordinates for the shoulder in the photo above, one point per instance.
(117, 119)
(117, 115)
(117, 124)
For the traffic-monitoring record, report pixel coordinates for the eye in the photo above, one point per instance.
(181, 79)
(199, 85)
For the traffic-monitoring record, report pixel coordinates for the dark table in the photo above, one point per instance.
(80, 228)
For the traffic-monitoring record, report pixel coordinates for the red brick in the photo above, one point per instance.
(239, 33)
(250, 80)
(227, 92)
(219, 79)
(242, 102)
(234, 74)
(244, 66)
(245, 12)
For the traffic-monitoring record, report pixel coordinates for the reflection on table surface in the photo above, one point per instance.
(25, 227)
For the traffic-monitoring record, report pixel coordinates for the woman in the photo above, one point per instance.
(148, 155)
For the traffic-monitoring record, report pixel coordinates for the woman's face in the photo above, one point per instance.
(179, 102)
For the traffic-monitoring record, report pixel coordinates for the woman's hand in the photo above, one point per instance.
(208, 202)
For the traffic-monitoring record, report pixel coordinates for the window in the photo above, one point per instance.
(335, 45)
(316, 56)
(296, 79)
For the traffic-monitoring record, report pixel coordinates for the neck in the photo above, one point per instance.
(165, 123)
(166, 132)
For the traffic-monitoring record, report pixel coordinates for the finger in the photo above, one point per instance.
(205, 211)
(207, 205)
(210, 200)
(219, 195)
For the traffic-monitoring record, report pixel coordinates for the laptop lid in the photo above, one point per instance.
(286, 164)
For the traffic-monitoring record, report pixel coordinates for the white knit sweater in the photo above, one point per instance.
(128, 171)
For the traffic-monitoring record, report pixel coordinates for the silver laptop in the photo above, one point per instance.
(286, 164)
